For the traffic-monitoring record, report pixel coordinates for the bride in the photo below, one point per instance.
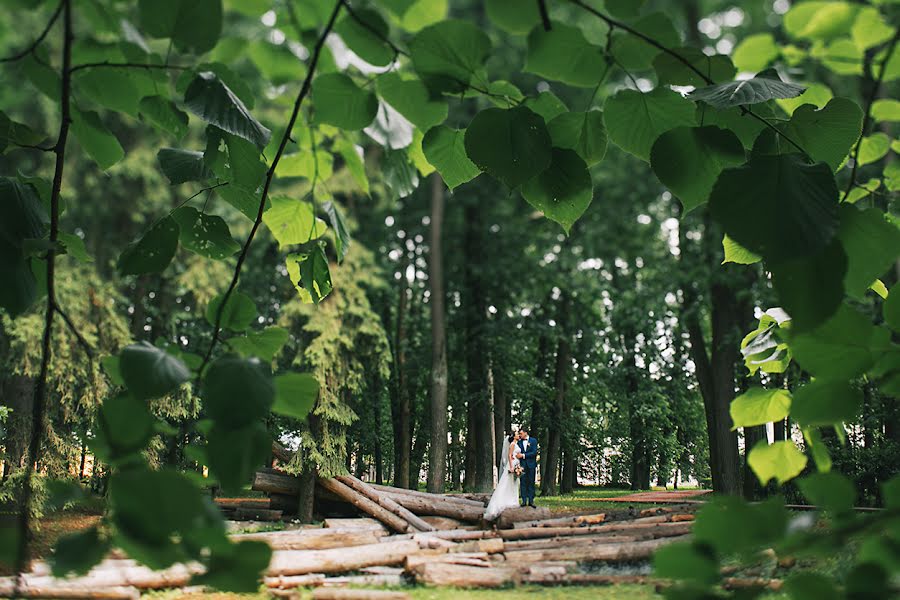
(506, 494)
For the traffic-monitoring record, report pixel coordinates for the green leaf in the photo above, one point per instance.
(237, 570)
(633, 53)
(831, 491)
(293, 221)
(730, 525)
(886, 109)
(826, 134)
(879, 288)
(826, 403)
(310, 274)
(237, 391)
(180, 166)
(747, 129)
(735, 253)
(563, 191)
(263, 344)
(110, 88)
(422, 13)
(77, 553)
(816, 94)
(235, 451)
(510, 145)
(417, 154)
(410, 98)
(891, 309)
(74, 247)
(842, 57)
(820, 20)
(843, 348)
(164, 115)
(872, 244)
(810, 288)
(153, 252)
(870, 29)
(758, 406)
(341, 234)
(36, 67)
(295, 394)
(149, 372)
(276, 62)
(873, 148)
(365, 33)
(193, 25)
(246, 169)
(340, 102)
(447, 54)
(625, 9)
(781, 461)
(755, 52)
(777, 206)
(203, 234)
(354, 162)
(445, 149)
(125, 428)
(318, 165)
(513, 17)
(811, 586)
(563, 54)
(688, 160)
(95, 139)
(239, 312)
(110, 365)
(634, 120)
(672, 71)
(209, 98)
(764, 86)
(685, 561)
(583, 132)
(546, 104)
(22, 217)
(817, 449)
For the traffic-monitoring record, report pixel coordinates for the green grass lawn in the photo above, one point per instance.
(588, 498)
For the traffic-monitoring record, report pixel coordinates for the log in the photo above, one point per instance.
(464, 576)
(474, 559)
(451, 535)
(124, 574)
(286, 503)
(593, 552)
(516, 514)
(364, 504)
(594, 519)
(313, 539)
(477, 497)
(273, 481)
(385, 502)
(339, 594)
(546, 543)
(283, 455)
(289, 582)
(444, 523)
(340, 560)
(427, 506)
(489, 546)
(428, 497)
(547, 532)
(355, 523)
(66, 590)
(257, 514)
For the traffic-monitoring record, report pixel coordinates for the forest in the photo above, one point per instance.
(373, 238)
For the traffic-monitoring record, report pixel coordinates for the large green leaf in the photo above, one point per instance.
(781, 461)
(832, 491)
(873, 148)
(209, 98)
(825, 402)
(238, 314)
(445, 149)
(842, 348)
(22, 217)
(764, 86)
(203, 234)
(758, 406)
(318, 165)
(365, 33)
(149, 372)
(511, 145)
(410, 98)
(293, 221)
(688, 160)
(886, 109)
(110, 88)
(870, 28)
(563, 54)
(563, 191)
(237, 391)
(447, 54)
(673, 71)
(633, 53)
(826, 134)
(820, 19)
(816, 94)
(354, 161)
(310, 274)
(77, 553)
(755, 52)
(153, 252)
(236, 449)
(237, 569)
(583, 132)
(193, 25)
(295, 394)
(777, 206)
(340, 102)
(810, 288)
(872, 244)
(180, 166)
(124, 428)
(546, 104)
(684, 560)
(95, 139)
(736, 253)
(263, 344)
(634, 119)
(164, 115)
(513, 17)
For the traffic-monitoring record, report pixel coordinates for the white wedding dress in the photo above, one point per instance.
(506, 494)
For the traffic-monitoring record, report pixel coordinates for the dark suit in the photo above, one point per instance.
(529, 464)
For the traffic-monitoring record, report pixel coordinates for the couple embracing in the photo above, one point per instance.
(517, 471)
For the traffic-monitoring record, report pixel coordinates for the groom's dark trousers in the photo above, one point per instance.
(529, 465)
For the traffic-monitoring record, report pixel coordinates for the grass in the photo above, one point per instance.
(588, 498)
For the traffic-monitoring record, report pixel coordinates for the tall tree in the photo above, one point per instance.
(437, 460)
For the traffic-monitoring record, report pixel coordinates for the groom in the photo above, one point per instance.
(527, 456)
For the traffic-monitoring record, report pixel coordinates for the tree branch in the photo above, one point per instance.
(873, 94)
(114, 65)
(40, 388)
(545, 16)
(270, 175)
(88, 349)
(37, 42)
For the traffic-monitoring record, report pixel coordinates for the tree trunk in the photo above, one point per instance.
(307, 495)
(400, 405)
(437, 461)
(377, 450)
(752, 436)
(561, 379)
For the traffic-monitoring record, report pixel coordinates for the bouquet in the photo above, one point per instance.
(517, 471)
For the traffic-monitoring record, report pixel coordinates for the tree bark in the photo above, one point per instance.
(401, 404)
(437, 461)
(561, 380)
(752, 436)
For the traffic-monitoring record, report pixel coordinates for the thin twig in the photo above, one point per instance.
(873, 94)
(88, 349)
(40, 388)
(37, 42)
(270, 175)
(34, 147)
(545, 16)
(115, 65)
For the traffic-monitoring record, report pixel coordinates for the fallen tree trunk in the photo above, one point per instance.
(547, 532)
(108, 574)
(428, 497)
(257, 514)
(385, 502)
(340, 560)
(312, 539)
(364, 504)
(464, 576)
(472, 559)
(65, 590)
(546, 543)
(440, 508)
(273, 481)
(339, 594)
(592, 552)
(578, 520)
(517, 514)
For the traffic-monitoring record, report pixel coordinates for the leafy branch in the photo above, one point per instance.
(40, 388)
(270, 175)
(37, 41)
(867, 117)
